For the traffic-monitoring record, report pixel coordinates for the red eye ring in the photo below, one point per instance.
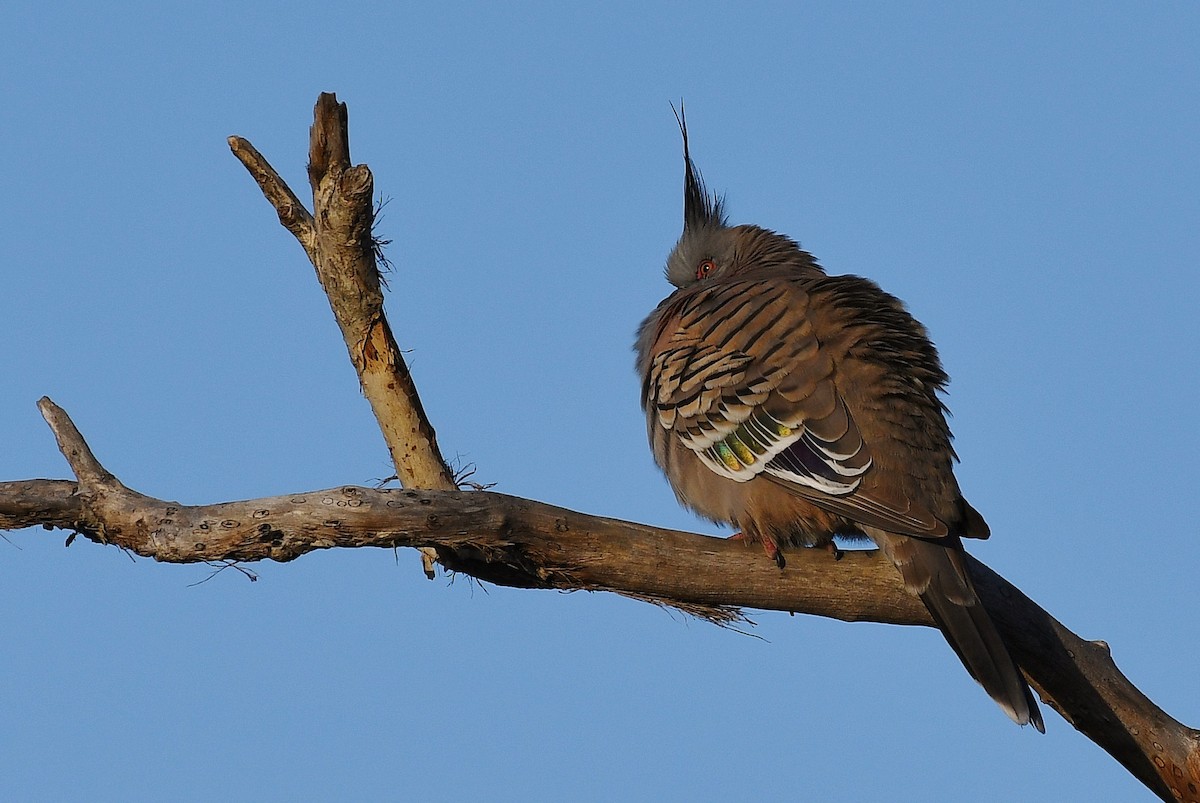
(704, 268)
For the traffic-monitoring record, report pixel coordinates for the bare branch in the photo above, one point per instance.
(526, 544)
(338, 240)
(292, 214)
(73, 447)
(348, 269)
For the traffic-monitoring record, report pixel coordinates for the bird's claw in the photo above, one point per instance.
(769, 547)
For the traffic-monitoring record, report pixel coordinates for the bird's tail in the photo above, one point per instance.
(937, 573)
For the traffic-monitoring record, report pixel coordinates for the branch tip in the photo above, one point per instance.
(329, 138)
(291, 210)
(74, 448)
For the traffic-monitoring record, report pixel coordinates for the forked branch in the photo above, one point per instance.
(338, 240)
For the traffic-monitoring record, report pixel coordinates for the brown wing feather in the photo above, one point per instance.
(726, 361)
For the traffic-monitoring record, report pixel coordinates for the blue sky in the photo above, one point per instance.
(1024, 177)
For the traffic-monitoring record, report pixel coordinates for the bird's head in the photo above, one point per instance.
(710, 248)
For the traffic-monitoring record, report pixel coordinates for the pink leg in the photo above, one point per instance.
(768, 546)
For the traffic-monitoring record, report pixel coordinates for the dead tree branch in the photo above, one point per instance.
(526, 544)
(337, 238)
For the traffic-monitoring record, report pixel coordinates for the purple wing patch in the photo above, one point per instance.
(811, 461)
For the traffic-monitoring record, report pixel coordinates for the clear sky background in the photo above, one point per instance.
(1026, 178)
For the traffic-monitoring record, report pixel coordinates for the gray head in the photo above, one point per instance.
(709, 247)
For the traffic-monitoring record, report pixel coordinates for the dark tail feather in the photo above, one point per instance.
(973, 636)
(938, 575)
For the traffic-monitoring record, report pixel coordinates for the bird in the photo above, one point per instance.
(800, 406)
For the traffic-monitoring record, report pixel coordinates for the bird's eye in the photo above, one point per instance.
(704, 268)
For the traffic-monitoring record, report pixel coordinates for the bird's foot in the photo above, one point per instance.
(768, 546)
(832, 549)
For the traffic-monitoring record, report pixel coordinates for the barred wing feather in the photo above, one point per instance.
(737, 375)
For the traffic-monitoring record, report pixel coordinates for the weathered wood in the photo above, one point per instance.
(522, 543)
(338, 239)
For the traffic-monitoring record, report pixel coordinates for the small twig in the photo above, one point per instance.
(84, 465)
(222, 566)
(378, 243)
(292, 214)
(381, 482)
(462, 479)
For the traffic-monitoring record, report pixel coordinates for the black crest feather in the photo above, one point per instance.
(700, 208)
